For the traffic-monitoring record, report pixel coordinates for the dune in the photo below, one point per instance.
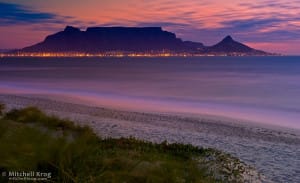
(274, 152)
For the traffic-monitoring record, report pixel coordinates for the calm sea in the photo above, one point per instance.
(259, 89)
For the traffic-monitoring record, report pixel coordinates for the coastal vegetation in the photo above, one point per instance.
(31, 140)
(2, 107)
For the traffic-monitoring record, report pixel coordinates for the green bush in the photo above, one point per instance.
(33, 115)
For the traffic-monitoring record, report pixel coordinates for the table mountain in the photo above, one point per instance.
(132, 39)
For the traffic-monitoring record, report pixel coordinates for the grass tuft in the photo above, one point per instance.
(2, 108)
(30, 141)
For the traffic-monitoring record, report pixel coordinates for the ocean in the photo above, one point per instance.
(262, 90)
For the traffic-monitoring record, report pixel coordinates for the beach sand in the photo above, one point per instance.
(272, 151)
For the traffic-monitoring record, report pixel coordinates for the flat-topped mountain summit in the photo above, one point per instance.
(102, 39)
(131, 39)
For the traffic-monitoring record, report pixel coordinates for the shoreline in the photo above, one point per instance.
(206, 112)
(272, 152)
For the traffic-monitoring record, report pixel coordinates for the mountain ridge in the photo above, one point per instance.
(228, 44)
(133, 39)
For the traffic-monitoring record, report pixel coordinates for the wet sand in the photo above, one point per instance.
(275, 152)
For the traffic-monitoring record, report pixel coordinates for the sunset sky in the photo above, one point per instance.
(264, 24)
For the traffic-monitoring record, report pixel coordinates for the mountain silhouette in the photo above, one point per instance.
(131, 39)
(228, 45)
(101, 39)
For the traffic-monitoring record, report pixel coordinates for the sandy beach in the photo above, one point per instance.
(273, 152)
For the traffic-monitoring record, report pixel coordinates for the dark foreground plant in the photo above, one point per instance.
(2, 108)
(32, 141)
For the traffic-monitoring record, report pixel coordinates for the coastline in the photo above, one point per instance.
(272, 152)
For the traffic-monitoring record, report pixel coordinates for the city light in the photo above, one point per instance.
(116, 54)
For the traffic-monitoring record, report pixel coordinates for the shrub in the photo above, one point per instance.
(2, 108)
(81, 156)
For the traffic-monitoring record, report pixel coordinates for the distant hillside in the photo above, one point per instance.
(228, 45)
(101, 39)
(6, 50)
(132, 39)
